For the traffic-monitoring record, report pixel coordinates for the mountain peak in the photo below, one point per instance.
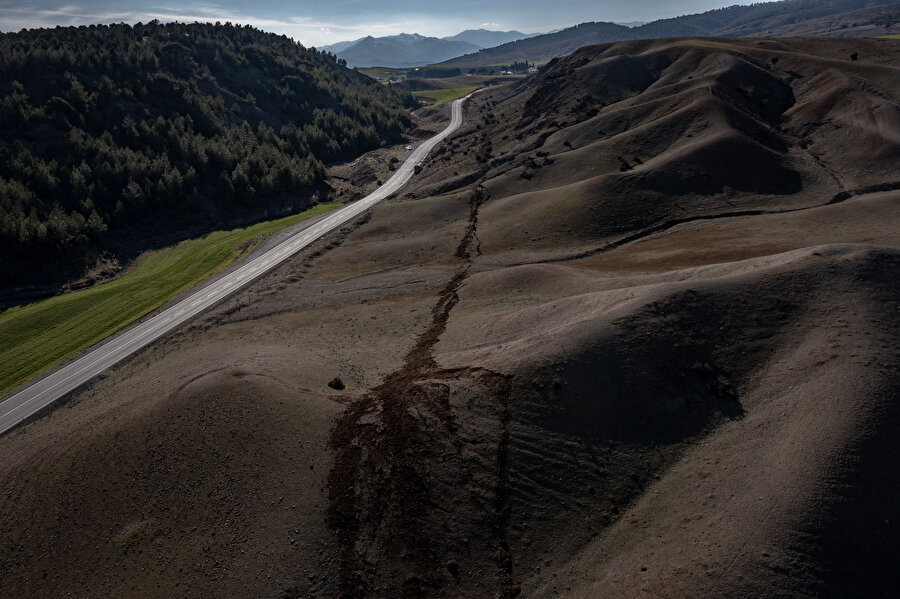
(485, 38)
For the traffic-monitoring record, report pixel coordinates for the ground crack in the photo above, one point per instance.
(407, 501)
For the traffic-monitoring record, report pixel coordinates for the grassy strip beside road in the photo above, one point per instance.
(444, 95)
(38, 336)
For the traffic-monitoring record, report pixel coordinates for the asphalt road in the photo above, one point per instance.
(43, 392)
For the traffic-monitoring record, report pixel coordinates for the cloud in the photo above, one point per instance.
(490, 25)
(306, 30)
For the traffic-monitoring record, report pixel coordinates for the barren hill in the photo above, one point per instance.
(632, 331)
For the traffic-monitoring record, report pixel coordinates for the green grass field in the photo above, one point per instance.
(444, 95)
(893, 36)
(37, 336)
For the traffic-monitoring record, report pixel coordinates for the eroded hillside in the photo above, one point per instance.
(632, 330)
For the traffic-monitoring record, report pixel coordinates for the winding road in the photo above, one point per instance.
(32, 399)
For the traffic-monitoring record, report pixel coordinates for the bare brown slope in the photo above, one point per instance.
(181, 500)
(631, 136)
(629, 336)
(781, 365)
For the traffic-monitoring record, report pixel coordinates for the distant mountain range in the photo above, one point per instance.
(488, 39)
(411, 50)
(339, 46)
(772, 19)
(479, 47)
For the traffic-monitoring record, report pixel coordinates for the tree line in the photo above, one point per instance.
(123, 132)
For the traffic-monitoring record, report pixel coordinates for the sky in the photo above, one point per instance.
(321, 22)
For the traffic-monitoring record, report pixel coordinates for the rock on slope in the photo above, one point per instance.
(632, 331)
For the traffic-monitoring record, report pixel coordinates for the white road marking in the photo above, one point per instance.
(44, 391)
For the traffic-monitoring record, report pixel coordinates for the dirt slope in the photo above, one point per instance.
(633, 331)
